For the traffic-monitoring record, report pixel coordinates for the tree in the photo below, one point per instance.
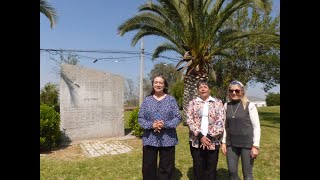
(253, 60)
(50, 12)
(168, 71)
(177, 92)
(273, 99)
(49, 95)
(70, 58)
(147, 87)
(195, 30)
(129, 94)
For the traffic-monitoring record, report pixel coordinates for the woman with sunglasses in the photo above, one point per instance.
(242, 132)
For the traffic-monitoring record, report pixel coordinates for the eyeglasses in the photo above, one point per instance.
(235, 90)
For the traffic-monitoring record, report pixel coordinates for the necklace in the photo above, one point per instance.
(233, 113)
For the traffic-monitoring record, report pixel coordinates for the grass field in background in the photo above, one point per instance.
(74, 165)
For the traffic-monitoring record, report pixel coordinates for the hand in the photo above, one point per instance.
(254, 152)
(224, 148)
(157, 125)
(205, 142)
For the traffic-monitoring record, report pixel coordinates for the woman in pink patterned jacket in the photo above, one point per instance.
(205, 119)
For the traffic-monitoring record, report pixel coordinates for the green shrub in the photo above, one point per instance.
(273, 99)
(133, 123)
(50, 134)
(177, 92)
(49, 95)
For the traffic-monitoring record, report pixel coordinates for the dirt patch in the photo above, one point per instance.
(71, 152)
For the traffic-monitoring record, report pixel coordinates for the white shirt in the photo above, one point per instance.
(205, 119)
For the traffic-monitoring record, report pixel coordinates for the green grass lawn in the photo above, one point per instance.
(128, 166)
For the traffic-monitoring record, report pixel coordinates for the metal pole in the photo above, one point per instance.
(141, 74)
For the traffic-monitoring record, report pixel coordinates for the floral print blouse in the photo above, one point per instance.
(216, 118)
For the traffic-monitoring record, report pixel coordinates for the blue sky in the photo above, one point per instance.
(92, 25)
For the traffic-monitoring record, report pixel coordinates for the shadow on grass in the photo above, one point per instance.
(178, 174)
(63, 143)
(270, 117)
(222, 174)
(60, 146)
(127, 131)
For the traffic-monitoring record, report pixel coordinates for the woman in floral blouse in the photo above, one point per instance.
(159, 116)
(206, 116)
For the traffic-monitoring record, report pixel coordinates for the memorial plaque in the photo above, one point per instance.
(91, 103)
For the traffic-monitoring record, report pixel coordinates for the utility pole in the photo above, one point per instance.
(141, 74)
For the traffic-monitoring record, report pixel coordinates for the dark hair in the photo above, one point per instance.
(165, 90)
(200, 82)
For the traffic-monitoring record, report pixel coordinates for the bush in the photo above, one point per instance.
(133, 123)
(49, 95)
(177, 92)
(273, 99)
(50, 134)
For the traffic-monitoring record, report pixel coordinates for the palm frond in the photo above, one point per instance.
(49, 12)
(165, 47)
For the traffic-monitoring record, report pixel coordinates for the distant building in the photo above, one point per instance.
(259, 102)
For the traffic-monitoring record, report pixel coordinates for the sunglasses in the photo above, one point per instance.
(235, 90)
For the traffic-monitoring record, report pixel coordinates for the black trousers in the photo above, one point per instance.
(204, 163)
(166, 163)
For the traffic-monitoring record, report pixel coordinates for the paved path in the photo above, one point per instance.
(98, 148)
(106, 146)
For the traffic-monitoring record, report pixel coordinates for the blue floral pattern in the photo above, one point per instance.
(166, 110)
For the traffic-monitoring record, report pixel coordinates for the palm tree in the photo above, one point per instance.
(195, 30)
(49, 12)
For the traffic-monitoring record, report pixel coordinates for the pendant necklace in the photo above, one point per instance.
(233, 113)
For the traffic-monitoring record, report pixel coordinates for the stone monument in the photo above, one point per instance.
(91, 103)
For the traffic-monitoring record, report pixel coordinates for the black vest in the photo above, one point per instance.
(239, 129)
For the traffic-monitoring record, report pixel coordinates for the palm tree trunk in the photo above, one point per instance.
(190, 90)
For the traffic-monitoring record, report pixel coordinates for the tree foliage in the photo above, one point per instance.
(49, 11)
(49, 95)
(69, 58)
(177, 92)
(168, 71)
(255, 59)
(130, 95)
(196, 30)
(273, 99)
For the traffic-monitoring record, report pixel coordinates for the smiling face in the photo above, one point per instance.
(235, 92)
(158, 84)
(204, 91)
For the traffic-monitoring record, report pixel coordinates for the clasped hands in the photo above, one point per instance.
(205, 142)
(157, 125)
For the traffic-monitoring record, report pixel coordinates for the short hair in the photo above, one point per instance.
(200, 82)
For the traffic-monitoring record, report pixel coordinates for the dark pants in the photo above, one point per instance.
(233, 155)
(204, 163)
(166, 162)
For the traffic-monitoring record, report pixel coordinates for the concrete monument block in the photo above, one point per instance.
(91, 103)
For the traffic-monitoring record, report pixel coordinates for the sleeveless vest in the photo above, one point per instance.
(239, 129)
